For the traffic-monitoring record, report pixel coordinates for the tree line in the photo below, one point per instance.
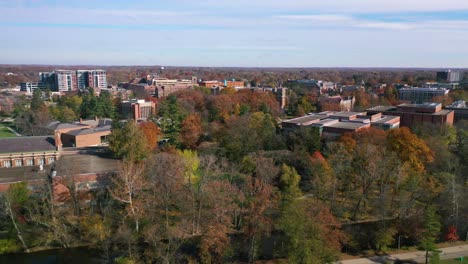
(213, 179)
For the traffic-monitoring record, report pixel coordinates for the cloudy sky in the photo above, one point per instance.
(265, 33)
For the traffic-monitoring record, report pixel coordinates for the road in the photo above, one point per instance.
(418, 256)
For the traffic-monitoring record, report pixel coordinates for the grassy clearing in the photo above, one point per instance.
(5, 132)
(455, 261)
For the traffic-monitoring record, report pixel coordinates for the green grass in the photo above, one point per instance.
(5, 132)
(454, 261)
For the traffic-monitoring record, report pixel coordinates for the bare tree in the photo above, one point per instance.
(127, 185)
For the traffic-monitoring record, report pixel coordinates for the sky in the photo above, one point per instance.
(236, 33)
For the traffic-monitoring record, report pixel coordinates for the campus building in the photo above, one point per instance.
(28, 87)
(449, 76)
(460, 109)
(416, 95)
(417, 114)
(337, 103)
(27, 151)
(85, 133)
(333, 124)
(137, 109)
(71, 80)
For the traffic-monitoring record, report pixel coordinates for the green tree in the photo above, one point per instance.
(128, 141)
(14, 201)
(37, 102)
(430, 234)
(289, 183)
(171, 119)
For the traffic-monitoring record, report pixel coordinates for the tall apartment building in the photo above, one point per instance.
(97, 79)
(449, 76)
(417, 95)
(28, 87)
(65, 80)
(69, 80)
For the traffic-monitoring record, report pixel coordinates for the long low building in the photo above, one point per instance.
(336, 123)
(417, 114)
(27, 151)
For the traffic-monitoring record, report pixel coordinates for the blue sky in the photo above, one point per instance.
(258, 33)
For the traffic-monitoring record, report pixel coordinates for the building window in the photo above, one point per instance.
(41, 161)
(18, 163)
(50, 160)
(29, 162)
(7, 164)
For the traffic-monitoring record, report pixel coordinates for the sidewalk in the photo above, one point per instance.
(447, 253)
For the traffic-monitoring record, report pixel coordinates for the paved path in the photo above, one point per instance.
(13, 131)
(418, 256)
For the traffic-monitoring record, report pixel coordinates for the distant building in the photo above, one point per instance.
(417, 114)
(70, 80)
(211, 84)
(449, 76)
(308, 84)
(157, 86)
(333, 124)
(280, 92)
(65, 81)
(460, 108)
(29, 87)
(417, 95)
(27, 151)
(337, 103)
(137, 109)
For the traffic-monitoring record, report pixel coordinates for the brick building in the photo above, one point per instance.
(336, 123)
(137, 109)
(27, 151)
(417, 114)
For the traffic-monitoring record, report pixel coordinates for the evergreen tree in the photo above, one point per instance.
(430, 234)
(36, 102)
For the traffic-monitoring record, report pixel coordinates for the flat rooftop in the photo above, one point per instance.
(386, 119)
(426, 105)
(349, 125)
(304, 120)
(347, 114)
(27, 144)
(326, 122)
(88, 131)
(443, 112)
(80, 164)
(382, 108)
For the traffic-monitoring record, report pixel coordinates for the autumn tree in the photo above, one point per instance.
(259, 200)
(190, 131)
(152, 134)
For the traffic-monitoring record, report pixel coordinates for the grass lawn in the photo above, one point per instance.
(454, 261)
(5, 132)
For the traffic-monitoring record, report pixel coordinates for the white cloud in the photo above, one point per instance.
(318, 18)
(340, 6)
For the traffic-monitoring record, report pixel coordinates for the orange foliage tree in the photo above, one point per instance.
(191, 131)
(152, 134)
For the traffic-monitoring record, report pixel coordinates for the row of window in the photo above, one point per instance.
(29, 162)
